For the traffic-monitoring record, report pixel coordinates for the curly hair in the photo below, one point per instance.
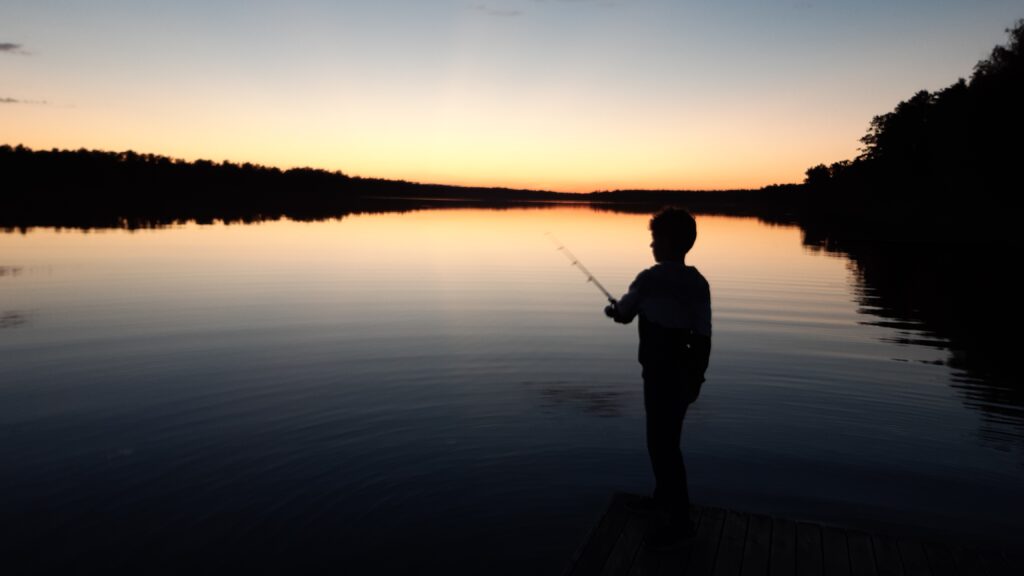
(674, 229)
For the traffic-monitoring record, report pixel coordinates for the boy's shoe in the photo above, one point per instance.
(642, 505)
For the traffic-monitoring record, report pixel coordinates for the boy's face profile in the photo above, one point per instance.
(663, 253)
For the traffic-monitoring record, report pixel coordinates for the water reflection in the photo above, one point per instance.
(12, 318)
(600, 403)
(950, 297)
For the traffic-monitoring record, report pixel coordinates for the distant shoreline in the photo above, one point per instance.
(91, 189)
(100, 189)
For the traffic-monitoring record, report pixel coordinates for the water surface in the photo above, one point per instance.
(439, 390)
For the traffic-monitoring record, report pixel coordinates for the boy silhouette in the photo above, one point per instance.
(673, 301)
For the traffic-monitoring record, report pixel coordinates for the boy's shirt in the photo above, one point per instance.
(671, 295)
(674, 304)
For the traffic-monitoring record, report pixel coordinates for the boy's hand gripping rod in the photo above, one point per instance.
(575, 262)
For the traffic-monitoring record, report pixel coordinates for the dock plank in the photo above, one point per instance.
(940, 560)
(915, 563)
(1015, 562)
(967, 561)
(675, 563)
(630, 539)
(729, 559)
(835, 552)
(783, 556)
(995, 564)
(808, 550)
(646, 563)
(594, 555)
(887, 556)
(758, 548)
(733, 543)
(705, 543)
(862, 558)
(649, 562)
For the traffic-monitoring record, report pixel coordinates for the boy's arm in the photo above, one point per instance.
(700, 339)
(626, 308)
(700, 354)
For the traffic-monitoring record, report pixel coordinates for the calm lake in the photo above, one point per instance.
(439, 390)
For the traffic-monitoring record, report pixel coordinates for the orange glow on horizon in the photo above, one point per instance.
(581, 157)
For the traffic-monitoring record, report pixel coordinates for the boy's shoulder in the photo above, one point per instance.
(672, 270)
(671, 276)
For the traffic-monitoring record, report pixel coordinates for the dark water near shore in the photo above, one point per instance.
(439, 390)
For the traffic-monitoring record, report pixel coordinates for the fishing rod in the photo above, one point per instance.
(576, 262)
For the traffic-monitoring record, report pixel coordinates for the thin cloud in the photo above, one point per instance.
(593, 2)
(11, 48)
(512, 12)
(6, 100)
(499, 12)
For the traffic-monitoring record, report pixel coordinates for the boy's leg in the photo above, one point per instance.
(666, 408)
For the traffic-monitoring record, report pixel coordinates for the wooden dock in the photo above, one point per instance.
(730, 543)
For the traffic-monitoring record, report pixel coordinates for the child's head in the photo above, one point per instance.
(673, 231)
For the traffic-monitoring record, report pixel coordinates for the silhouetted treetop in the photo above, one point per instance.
(91, 188)
(938, 154)
(1004, 60)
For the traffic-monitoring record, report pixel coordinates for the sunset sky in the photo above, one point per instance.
(572, 95)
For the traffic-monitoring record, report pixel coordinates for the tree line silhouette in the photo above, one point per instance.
(91, 188)
(945, 158)
(99, 189)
